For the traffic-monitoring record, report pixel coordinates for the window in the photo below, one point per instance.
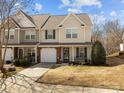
(71, 33)
(80, 53)
(11, 34)
(50, 34)
(68, 33)
(6, 36)
(30, 35)
(30, 53)
(27, 36)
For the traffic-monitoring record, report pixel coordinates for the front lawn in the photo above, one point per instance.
(91, 76)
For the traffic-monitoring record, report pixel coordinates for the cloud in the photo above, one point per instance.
(65, 3)
(18, 6)
(122, 1)
(102, 12)
(80, 3)
(113, 13)
(122, 12)
(38, 7)
(97, 18)
(73, 10)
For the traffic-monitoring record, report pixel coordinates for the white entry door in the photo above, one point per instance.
(48, 55)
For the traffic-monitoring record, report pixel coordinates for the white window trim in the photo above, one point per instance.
(51, 30)
(30, 34)
(71, 32)
(51, 33)
(11, 32)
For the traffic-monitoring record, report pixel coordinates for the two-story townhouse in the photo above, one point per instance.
(49, 38)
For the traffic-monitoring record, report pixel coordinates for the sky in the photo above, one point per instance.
(102, 10)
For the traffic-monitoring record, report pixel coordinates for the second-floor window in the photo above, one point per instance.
(30, 35)
(71, 33)
(11, 34)
(49, 34)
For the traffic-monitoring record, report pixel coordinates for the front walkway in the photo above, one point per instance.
(36, 71)
(24, 82)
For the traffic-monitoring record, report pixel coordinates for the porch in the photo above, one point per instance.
(63, 54)
(26, 52)
(75, 53)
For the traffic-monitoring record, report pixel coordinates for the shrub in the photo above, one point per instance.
(98, 54)
(16, 62)
(21, 62)
(24, 62)
(8, 62)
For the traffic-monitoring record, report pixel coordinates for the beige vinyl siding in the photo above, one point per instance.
(21, 35)
(89, 49)
(23, 39)
(42, 36)
(15, 40)
(84, 32)
(88, 34)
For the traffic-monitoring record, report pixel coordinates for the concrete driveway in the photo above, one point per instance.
(24, 82)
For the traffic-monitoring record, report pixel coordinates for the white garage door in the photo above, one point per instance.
(9, 54)
(48, 55)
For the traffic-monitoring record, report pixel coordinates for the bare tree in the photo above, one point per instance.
(109, 34)
(7, 7)
(114, 32)
(98, 34)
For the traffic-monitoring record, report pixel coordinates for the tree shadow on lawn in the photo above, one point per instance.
(20, 83)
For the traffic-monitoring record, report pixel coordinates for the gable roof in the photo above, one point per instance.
(40, 20)
(85, 18)
(54, 21)
(23, 20)
(46, 21)
(73, 16)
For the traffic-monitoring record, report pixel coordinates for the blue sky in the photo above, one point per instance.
(100, 9)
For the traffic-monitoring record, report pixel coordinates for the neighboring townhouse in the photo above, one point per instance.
(49, 38)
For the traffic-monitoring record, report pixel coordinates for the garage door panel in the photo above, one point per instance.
(48, 55)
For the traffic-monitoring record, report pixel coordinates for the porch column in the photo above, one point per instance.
(35, 54)
(58, 54)
(18, 30)
(38, 55)
(72, 54)
(85, 51)
(15, 52)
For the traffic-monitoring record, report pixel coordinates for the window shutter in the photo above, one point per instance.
(45, 34)
(85, 50)
(54, 34)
